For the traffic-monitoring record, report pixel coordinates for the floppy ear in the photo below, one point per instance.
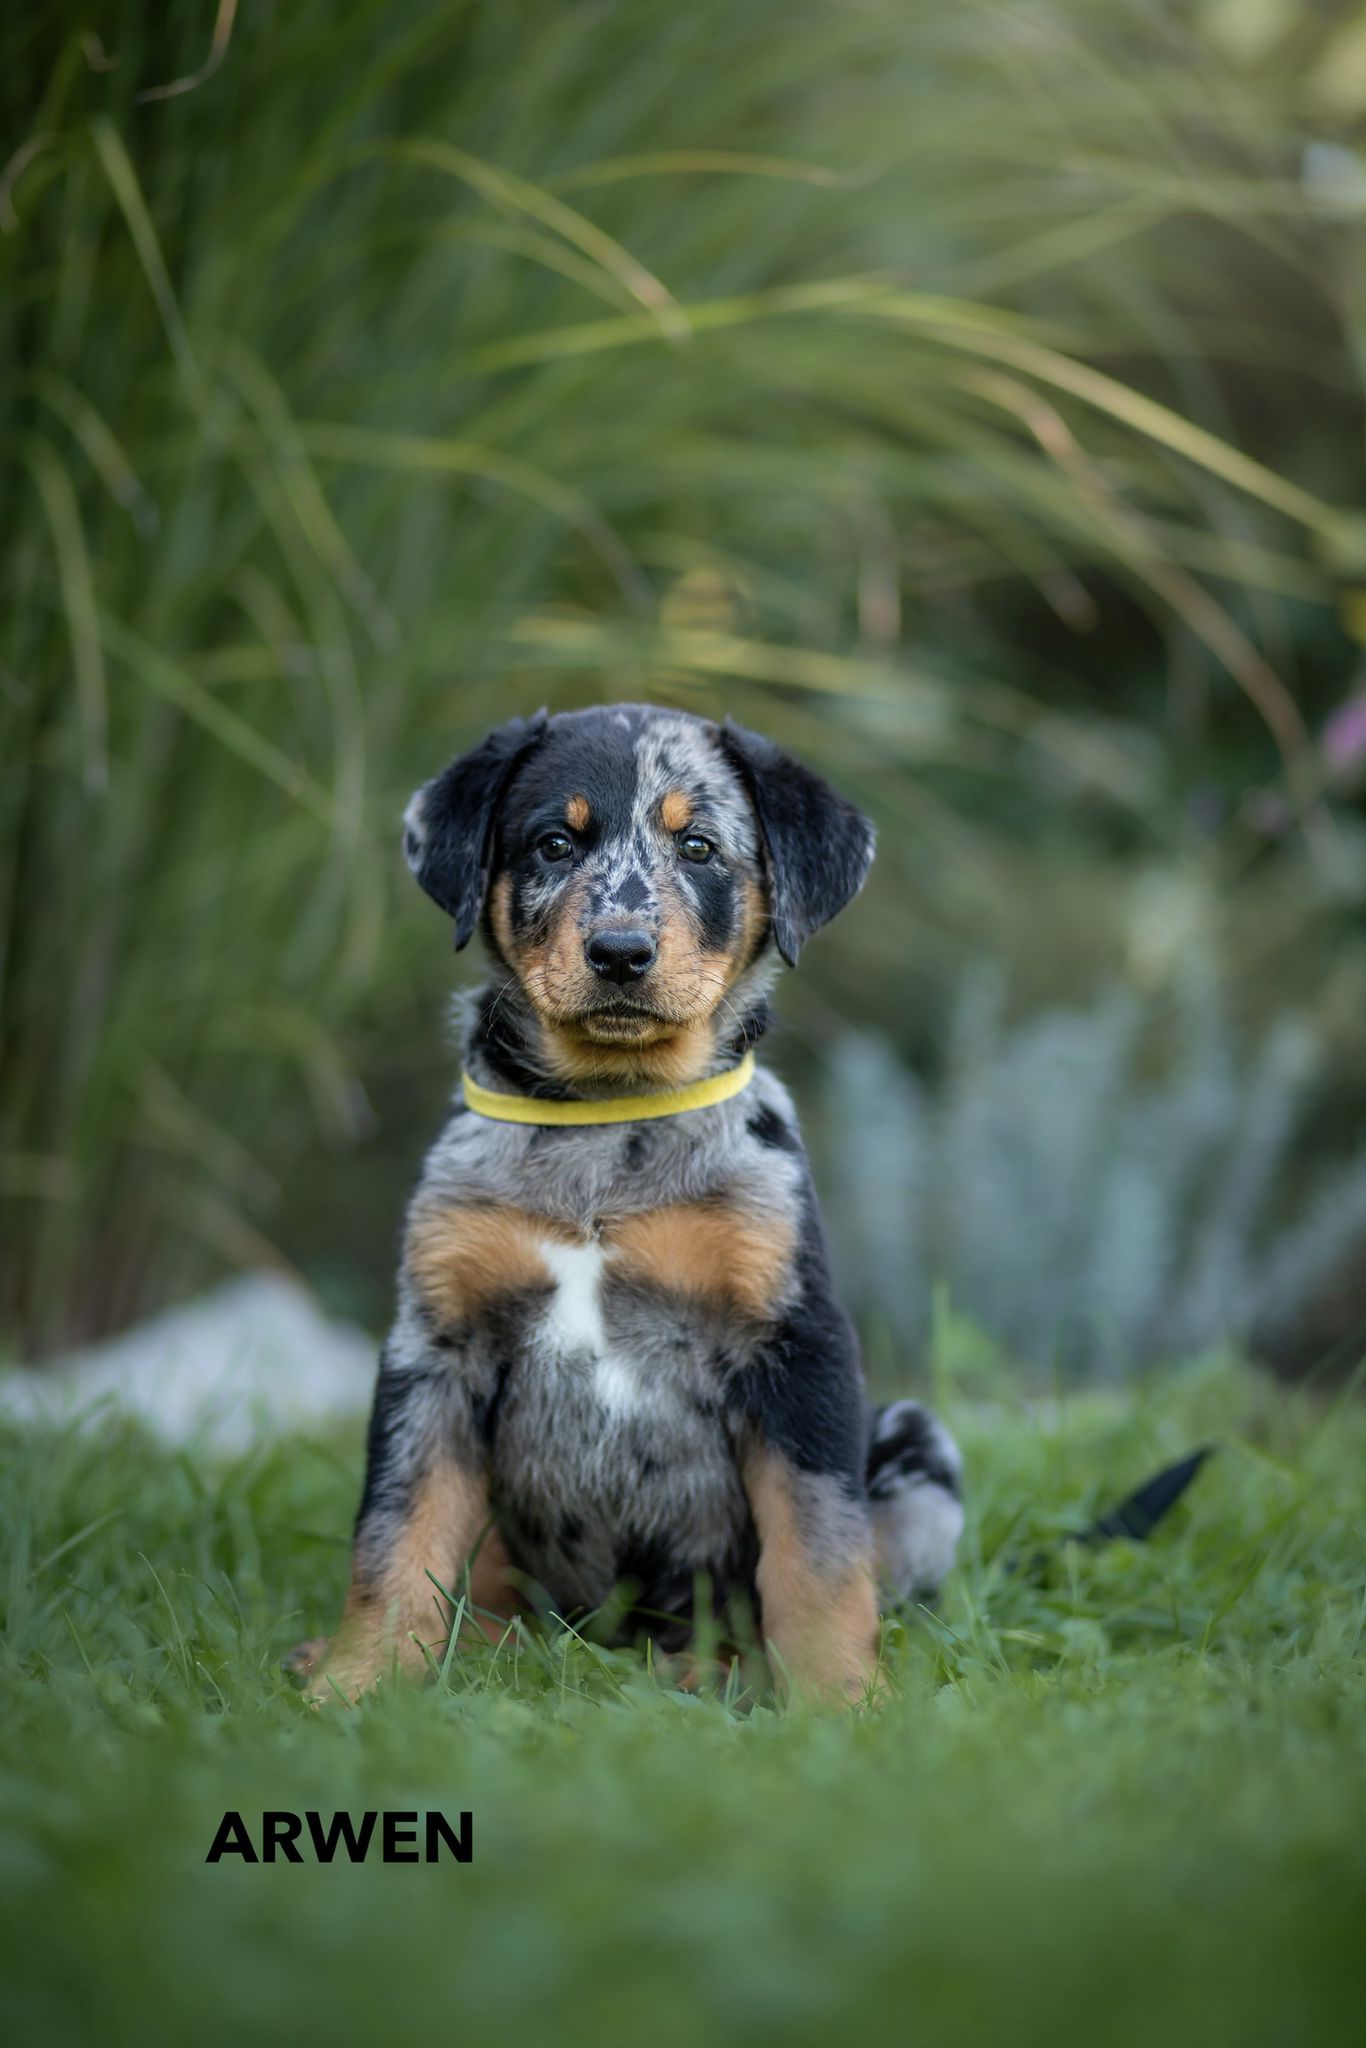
(448, 826)
(817, 847)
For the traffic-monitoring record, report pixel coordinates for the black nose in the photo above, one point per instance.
(621, 953)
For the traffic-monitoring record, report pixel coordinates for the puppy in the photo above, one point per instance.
(618, 1369)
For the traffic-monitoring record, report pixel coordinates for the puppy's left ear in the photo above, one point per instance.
(448, 826)
(817, 847)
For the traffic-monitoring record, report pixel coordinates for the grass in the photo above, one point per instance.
(1118, 1803)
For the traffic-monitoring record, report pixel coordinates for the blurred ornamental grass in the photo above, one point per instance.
(1096, 1216)
(964, 396)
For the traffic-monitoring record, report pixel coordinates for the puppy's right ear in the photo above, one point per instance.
(448, 826)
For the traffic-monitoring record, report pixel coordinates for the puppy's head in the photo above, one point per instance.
(636, 870)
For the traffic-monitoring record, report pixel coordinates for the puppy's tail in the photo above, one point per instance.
(914, 1477)
(1135, 1517)
(1140, 1512)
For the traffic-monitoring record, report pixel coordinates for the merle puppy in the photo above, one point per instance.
(618, 1370)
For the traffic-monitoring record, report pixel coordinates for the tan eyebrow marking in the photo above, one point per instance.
(577, 813)
(676, 810)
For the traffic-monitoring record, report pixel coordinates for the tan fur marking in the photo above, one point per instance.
(393, 1609)
(500, 914)
(492, 1590)
(753, 912)
(577, 813)
(554, 973)
(676, 810)
(361, 1646)
(821, 1621)
(460, 1259)
(671, 1061)
(709, 1250)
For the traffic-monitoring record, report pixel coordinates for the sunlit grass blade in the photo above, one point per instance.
(317, 523)
(594, 336)
(123, 182)
(218, 50)
(62, 512)
(674, 163)
(414, 453)
(1105, 394)
(173, 682)
(102, 448)
(505, 189)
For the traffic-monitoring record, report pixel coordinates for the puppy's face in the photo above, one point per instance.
(627, 889)
(630, 867)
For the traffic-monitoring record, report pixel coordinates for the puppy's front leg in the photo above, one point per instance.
(424, 1506)
(815, 1581)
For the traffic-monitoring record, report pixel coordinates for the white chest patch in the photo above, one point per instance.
(572, 1327)
(573, 1316)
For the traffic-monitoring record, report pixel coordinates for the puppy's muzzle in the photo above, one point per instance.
(621, 953)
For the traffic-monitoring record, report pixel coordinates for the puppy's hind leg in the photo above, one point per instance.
(914, 1482)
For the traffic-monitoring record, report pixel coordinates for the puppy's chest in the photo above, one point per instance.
(591, 1334)
(625, 1291)
(610, 1451)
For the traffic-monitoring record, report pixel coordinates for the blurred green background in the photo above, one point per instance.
(968, 396)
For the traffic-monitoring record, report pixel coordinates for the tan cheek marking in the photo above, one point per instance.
(460, 1259)
(500, 915)
(822, 1623)
(753, 911)
(565, 945)
(710, 1251)
(553, 971)
(578, 813)
(678, 948)
(693, 976)
(557, 977)
(675, 811)
(689, 978)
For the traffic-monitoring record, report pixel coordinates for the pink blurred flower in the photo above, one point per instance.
(1344, 736)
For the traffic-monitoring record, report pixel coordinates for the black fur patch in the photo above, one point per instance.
(712, 888)
(390, 1477)
(769, 1128)
(499, 1035)
(585, 753)
(451, 848)
(805, 1387)
(637, 1150)
(486, 1406)
(818, 848)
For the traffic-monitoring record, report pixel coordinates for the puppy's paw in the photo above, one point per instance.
(357, 1662)
(305, 1658)
(325, 1674)
(851, 1690)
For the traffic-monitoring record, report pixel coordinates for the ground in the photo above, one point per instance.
(1115, 1800)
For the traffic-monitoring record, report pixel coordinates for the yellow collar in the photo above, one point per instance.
(616, 1109)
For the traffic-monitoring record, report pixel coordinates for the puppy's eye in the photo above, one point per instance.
(693, 846)
(556, 846)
